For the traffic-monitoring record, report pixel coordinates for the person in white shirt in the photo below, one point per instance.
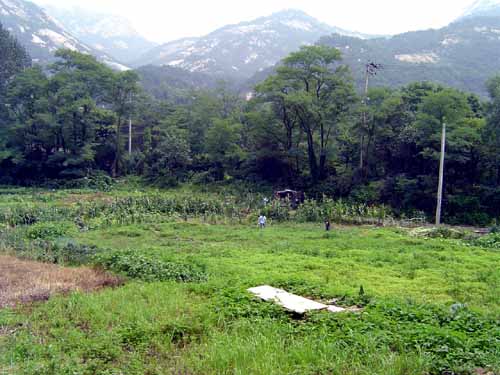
(262, 221)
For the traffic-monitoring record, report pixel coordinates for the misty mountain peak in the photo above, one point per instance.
(483, 8)
(291, 14)
(105, 32)
(42, 35)
(240, 50)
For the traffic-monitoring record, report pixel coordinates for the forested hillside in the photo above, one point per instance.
(13, 59)
(463, 55)
(306, 128)
(173, 84)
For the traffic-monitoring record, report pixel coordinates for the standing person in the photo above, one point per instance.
(327, 225)
(262, 221)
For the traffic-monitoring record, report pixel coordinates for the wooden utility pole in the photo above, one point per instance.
(441, 175)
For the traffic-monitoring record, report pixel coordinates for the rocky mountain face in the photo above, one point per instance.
(41, 35)
(114, 35)
(238, 51)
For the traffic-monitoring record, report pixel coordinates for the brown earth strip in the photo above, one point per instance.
(23, 281)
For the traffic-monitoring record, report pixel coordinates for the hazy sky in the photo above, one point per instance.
(167, 20)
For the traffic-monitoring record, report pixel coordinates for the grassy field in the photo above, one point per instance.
(430, 305)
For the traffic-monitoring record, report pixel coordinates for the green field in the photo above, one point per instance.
(430, 305)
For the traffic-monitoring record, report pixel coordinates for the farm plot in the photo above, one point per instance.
(428, 305)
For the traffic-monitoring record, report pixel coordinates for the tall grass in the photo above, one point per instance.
(157, 207)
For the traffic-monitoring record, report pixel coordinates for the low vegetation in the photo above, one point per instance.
(430, 303)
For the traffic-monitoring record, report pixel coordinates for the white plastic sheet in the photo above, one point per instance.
(291, 302)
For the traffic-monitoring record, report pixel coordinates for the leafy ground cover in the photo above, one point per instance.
(430, 305)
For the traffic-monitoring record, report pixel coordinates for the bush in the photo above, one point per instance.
(491, 241)
(136, 265)
(277, 210)
(440, 232)
(47, 231)
(62, 251)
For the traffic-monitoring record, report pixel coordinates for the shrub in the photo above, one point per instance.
(440, 232)
(491, 241)
(47, 231)
(136, 265)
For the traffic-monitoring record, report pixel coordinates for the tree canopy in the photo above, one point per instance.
(305, 128)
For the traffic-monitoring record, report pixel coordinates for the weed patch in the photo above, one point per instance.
(135, 265)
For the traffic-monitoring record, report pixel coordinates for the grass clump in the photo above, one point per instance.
(136, 265)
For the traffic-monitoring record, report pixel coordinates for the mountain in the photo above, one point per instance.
(483, 8)
(13, 58)
(238, 51)
(111, 34)
(41, 35)
(464, 54)
(173, 84)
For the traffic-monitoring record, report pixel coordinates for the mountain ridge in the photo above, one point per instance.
(109, 33)
(239, 50)
(42, 35)
(480, 8)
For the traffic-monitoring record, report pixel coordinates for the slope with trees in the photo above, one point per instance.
(306, 128)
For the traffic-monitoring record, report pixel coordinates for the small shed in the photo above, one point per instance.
(294, 197)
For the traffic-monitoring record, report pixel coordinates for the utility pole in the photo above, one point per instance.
(130, 136)
(130, 127)
(371, 71)
(441, 175)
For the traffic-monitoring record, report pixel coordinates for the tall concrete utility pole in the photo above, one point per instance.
(130, 136)
(371, 70)
(130, 128)
(441, 175)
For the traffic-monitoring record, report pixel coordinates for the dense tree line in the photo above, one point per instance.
(305, 127)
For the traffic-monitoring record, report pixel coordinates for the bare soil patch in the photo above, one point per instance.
(23, 281)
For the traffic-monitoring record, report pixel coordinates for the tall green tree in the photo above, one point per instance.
(318, 92)
(492, 131)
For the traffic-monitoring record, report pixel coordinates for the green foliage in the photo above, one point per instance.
(48, 231)
(136, 265)
(60, 251)
(14, 58)
(491, 241)
(341, 212)
(440, 232)
(305, 129)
